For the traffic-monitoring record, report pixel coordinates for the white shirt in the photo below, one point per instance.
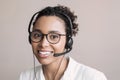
(74, 71)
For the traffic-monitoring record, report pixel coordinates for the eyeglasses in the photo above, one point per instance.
(51, 37)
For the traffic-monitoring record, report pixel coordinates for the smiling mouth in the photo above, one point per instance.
(45, 53)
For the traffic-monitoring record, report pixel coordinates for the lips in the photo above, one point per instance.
(45, 54)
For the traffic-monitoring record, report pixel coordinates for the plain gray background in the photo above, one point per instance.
(97, 44)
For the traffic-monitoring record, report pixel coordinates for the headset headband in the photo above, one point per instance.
(37, 13)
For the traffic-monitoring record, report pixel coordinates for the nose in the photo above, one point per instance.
(44, 42)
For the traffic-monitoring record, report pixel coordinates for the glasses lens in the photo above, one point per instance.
(53, 37)
(36, 36)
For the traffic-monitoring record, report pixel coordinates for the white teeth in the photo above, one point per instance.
(45, 53)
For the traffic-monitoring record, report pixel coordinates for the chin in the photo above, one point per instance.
(45, 61)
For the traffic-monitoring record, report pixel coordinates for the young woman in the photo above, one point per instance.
(50, 35)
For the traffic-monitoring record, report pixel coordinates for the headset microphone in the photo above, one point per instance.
(63, 53)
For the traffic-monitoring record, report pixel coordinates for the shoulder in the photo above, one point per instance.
(84, 72)
(29, 74)
(91, 73)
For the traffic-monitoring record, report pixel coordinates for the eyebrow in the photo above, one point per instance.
(36, 30)
(54, 31)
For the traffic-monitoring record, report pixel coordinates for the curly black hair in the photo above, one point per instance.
(58, 11)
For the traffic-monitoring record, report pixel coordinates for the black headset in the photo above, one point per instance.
(69, 41)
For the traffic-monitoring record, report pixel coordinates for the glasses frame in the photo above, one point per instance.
(46, 35)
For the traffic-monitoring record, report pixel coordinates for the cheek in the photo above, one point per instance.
(59, 47)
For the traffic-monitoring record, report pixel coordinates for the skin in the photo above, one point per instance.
(51, 64)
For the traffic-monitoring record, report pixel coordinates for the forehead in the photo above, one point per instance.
(50, 23)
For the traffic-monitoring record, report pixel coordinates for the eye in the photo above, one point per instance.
(36, 35)
(53, 36)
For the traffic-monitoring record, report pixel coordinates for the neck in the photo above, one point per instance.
(54, 71)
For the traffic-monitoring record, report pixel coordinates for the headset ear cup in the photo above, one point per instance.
(69, 43)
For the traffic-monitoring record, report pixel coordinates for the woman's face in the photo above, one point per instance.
(43, 49)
